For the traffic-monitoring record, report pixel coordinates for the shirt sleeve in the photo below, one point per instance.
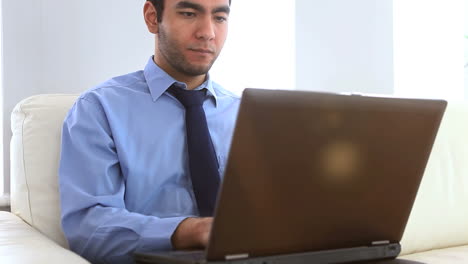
(95, 220)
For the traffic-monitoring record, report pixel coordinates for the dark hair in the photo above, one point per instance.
(159, 5)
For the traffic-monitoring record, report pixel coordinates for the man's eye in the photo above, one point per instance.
(221, 19)
(187, 14)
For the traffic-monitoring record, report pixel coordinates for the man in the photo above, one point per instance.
(128, 161)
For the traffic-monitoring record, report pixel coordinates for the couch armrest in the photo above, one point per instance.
(20, 243)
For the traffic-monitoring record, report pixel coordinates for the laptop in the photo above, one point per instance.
(317, 178)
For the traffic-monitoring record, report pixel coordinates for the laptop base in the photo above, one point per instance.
(346, 255)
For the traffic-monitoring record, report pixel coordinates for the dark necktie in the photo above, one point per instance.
(202, 156)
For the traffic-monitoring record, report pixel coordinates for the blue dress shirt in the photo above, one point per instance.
(124, 175)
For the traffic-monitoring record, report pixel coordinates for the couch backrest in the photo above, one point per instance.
(439, 218)
(36, 123)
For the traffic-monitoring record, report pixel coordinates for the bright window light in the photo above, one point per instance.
(260, 50)
(465, 44)
(428, 48)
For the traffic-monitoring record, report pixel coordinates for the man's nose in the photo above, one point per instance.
(206, 29)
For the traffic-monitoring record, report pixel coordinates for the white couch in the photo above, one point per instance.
(437, 231)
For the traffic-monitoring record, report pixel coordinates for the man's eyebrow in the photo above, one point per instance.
(222, 9)
(200, 8)
(187, 4)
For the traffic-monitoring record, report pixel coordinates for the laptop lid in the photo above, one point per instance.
(314, 171)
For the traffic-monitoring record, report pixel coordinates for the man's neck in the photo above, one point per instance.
(192, 82)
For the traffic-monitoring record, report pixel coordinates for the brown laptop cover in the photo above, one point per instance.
(313, 171)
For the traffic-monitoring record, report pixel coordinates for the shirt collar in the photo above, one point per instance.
(159, 81)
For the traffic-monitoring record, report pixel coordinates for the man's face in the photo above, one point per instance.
(191, 35)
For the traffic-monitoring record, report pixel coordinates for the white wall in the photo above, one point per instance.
(4, 201)
(344, 46)
(57, 46)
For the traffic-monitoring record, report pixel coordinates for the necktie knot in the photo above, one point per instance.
(188, 98)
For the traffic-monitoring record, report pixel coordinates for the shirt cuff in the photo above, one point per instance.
(156, 235)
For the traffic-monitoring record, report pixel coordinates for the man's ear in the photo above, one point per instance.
(151, 17)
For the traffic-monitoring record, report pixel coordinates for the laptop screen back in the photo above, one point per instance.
(313, 171)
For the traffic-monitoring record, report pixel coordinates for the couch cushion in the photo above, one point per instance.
(20, 243)
(36, 123)
(439, 218)
(454, 255)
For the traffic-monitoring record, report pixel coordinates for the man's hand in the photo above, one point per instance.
(192, 233)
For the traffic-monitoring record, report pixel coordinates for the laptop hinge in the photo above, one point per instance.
(236, 256)
(380, 243)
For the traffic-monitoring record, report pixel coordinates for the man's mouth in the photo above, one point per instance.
(205, 51)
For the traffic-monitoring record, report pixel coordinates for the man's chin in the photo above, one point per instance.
(197, 70)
